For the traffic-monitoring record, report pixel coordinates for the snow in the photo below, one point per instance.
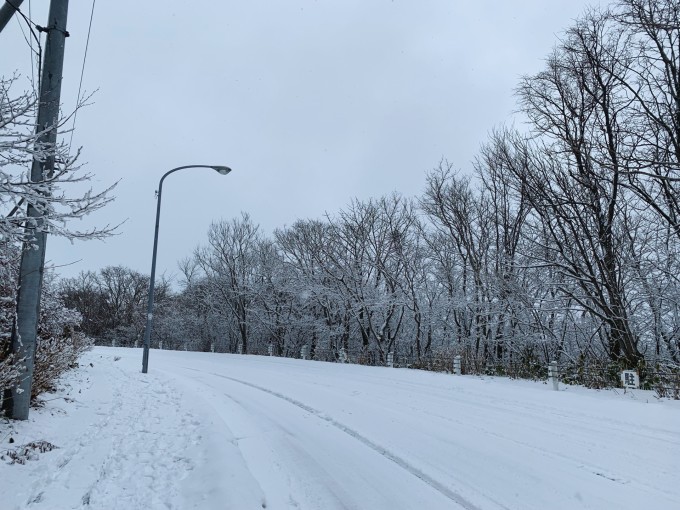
(216, 431)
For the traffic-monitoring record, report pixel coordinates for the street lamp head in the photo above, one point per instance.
(224, 170)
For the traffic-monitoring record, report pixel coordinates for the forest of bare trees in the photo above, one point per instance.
(560, 243)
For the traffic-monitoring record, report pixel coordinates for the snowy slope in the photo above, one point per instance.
(212, 431)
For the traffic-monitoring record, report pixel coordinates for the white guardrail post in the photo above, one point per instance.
(553, 375)
(390, 359)
(456, 366)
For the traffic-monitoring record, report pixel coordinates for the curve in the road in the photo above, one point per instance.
(445, 491)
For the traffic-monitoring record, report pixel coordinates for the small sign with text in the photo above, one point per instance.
(630, 379)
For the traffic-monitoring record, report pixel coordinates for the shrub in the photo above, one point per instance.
(58, 343)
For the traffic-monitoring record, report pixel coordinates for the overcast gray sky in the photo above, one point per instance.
(311, 103)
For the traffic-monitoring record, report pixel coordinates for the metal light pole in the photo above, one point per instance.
(223, 170)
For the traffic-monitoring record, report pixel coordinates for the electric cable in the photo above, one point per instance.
(30, 16)
(82, 73)
(29, 22)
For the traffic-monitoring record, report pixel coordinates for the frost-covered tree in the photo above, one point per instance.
(37, 197)
(52, 197)
(229, 263)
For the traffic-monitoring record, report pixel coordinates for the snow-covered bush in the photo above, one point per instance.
(59, 345)
(9, 372)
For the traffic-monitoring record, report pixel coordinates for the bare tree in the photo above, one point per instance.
(574, 179)
(323, 309)
(647, 77)
(463, 221)
(50, 197)
(229, 262)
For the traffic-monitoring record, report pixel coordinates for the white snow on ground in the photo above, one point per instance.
(215, 431)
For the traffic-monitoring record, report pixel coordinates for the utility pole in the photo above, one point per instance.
(16, 401)
(7, 11)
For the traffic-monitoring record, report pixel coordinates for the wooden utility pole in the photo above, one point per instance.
(16, 401)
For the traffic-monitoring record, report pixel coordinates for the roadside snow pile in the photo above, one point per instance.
(211, 431)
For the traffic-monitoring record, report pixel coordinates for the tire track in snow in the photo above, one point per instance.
(332, 488)
(402, 463)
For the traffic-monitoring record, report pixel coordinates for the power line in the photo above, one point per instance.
(30, 24)
(30, 16)
(82, 73)
(28, 21)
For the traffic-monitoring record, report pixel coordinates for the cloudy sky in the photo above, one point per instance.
(311, 103)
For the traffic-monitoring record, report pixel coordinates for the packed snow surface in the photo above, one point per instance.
(217, 431)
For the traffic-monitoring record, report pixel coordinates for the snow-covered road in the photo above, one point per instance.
(216, 431)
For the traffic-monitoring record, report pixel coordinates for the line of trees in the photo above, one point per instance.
(562, 244)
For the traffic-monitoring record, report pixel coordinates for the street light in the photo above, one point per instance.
(223, 170)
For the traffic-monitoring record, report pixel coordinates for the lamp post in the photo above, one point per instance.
(223, 170)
